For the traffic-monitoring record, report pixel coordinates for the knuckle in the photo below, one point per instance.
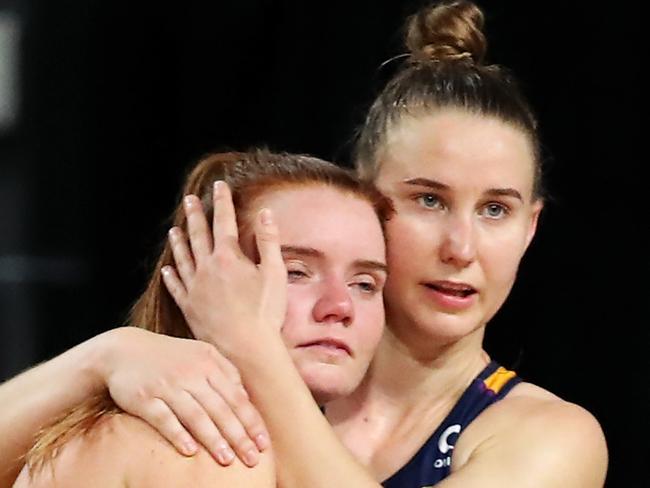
(141, 394)
(158, 416)
(209, 356)
(161, 384)
(231, 372)
(222, 256)
(239, 398)
(243, 444)
(220, 409)
(194, 416)
(266, 235)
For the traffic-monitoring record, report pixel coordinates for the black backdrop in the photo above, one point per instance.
(117, 99)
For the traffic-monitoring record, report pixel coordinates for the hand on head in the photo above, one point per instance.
(223, 295)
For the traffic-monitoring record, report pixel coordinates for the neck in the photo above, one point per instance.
(402, 382)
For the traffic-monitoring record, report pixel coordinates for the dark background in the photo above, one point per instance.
(114, 100)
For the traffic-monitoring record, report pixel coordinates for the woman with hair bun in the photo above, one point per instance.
(453, 143)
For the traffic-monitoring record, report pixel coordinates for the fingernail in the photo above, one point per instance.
(189, 447)
(265, 216)
(188, 200)
(225, 455)
(165, 270)
(262, 441)
(251, 457)
(218, 186)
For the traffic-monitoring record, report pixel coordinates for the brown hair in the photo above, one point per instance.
(249, 175)
(444, 70)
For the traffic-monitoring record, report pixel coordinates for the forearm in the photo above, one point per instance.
(308, 452)
(32, 399)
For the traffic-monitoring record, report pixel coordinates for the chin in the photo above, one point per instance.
(445, 328)
(327, 382)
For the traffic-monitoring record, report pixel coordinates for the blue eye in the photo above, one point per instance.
(429, 200)
(366, 285)
(495, 211)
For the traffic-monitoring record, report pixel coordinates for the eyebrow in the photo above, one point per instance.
(315, 253)
(436, 185)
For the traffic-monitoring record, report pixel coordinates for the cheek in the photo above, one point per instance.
(409, 241)
(500, 258)
(370, 324)
(298, 317)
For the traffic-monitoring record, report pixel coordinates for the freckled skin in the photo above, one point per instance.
(330, 294)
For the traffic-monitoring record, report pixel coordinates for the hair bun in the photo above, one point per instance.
(446, 31)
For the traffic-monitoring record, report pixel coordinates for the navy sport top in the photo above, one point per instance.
(432, 463)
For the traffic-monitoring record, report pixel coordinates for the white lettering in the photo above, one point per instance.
(443, 442)
(442, 462)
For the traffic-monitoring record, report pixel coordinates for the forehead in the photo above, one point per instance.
(458, 147)
(335, 222)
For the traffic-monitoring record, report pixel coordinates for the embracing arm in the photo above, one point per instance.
(31, 400)
(154, 377)
(307, 450)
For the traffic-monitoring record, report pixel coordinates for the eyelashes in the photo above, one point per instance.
(492, 210)
(365, 283)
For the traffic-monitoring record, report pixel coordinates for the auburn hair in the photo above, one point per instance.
(249, 175)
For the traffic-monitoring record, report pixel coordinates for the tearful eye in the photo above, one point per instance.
(367, 285)
(296, 272)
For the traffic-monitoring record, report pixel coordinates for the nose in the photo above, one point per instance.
(458, 247)
(334, 304)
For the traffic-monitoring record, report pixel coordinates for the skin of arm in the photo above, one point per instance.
(153, 389)
(308, 452)
(122, 451)
(29, 401)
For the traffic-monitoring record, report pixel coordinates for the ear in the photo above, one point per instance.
(534, 218)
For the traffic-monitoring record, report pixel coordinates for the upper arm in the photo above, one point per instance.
(537, 445)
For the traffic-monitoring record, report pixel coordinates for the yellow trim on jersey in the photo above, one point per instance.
(498, 379)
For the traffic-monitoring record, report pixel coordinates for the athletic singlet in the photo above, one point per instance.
(432, 463)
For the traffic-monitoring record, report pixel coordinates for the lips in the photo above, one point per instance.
(328, 343)
(461, 290)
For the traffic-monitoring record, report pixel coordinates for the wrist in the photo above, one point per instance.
(259, 352)
(97, 358)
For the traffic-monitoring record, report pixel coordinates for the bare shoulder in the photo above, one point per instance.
(96, 458)
(122, 451)
(155, 463)
(540, 432)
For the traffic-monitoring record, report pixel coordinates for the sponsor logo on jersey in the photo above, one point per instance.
(446, 444)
